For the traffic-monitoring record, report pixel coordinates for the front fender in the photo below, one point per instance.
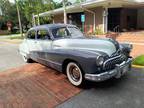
(86, 58)
(24, 49)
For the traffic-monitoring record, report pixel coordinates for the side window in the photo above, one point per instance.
(31, 34)
(60, 33)
(43, 35)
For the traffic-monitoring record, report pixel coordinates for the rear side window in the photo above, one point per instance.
(31, 34)
(43, 35)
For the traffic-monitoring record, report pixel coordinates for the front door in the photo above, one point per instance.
(31, 42)
(43, 40)
(43, 44)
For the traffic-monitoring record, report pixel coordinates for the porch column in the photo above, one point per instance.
(53, 21)
(38, 19)
(94, 22)
(65, 14)
(105, 20)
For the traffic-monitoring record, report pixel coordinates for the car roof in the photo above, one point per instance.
(52, 26)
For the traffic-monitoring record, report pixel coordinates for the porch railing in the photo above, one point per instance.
(117, 30)
(114, 33)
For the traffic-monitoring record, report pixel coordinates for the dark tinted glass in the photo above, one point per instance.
(31, 34)
(60, 32)
(43, 34)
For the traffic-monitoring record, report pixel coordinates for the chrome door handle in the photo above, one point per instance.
(57, 46)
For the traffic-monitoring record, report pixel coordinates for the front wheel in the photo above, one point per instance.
(26, 59)
(74, 74)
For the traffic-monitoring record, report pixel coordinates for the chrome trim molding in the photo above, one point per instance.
(118, 71)
(50, 61)
(111, 59)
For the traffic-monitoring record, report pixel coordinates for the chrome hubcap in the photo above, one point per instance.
(74, 73)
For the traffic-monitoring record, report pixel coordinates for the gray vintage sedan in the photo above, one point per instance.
(66, 49)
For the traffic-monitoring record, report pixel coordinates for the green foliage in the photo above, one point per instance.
(27, 8)
(79, 1)
(57, 5)
(4, 32)
(98, 31)
(8, 12)
(30, 7)
(139, 60)
(15, 37)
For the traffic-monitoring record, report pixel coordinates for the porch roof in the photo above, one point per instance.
(91, 4)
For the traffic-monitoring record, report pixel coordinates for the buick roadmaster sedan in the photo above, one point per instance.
(66, 49)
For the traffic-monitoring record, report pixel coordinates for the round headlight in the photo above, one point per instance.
(99, 60)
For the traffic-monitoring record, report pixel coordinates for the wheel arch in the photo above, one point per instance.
(65, 63)
(23, 49)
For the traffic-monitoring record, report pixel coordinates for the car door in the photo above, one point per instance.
(43, 44)
(31, 42)
(31, 39)
(43, 40)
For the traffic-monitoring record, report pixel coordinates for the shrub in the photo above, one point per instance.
(139, 60)
(98, 31)
(4, 32)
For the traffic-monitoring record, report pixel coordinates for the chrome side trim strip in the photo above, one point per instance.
(50, 61)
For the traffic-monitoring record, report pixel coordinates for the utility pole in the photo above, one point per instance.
(65, 14)
(19, 18)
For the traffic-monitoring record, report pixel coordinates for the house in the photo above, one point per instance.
(104, 15)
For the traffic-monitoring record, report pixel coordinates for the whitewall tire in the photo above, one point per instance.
(74, 74)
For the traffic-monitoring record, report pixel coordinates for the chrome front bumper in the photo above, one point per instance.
(119, 71)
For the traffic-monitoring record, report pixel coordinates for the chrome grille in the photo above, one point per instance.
(110, 63)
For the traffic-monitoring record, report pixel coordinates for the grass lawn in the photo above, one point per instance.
(15, 37)
(139, 60)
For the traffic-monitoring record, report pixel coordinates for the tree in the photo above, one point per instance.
(19, 18)
(8, 12)
(30, 7)
(27, 8)
(79, 1)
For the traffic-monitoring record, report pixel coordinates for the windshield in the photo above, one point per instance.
(67, 32)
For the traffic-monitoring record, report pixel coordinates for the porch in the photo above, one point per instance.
(102, 15)
(126, 18)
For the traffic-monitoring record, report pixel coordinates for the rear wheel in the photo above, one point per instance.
(74, 74)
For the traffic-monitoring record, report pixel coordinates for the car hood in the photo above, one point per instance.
(102, 45)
